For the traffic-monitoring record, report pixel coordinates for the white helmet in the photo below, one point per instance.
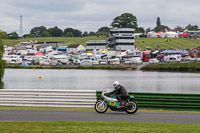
(116, 83)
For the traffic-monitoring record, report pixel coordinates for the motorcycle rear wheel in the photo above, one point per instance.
(133, 107)
(100, 108)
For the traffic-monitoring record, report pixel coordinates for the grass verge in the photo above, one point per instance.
(174, 67)
(102, 127)
(90, 109)
(66, 40)
(98, 67)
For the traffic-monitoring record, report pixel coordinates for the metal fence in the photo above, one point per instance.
(48, 98)
(87, 98)
(165, 100)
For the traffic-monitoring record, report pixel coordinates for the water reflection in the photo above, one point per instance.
(136, 81)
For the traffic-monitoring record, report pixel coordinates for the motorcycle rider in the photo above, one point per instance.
(121, 92)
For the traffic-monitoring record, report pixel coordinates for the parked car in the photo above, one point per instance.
(115, 61)
(197, 59)
(137, 60)
(172, 58)
(86, 63)
(188, 58)
(95, 62)
(76, 62)
(153, 61)
(127, 61)
(103, 62)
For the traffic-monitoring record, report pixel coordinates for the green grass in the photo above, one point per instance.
(175, 43)
(66, 40)
(90, 109)
(174, 67)
(95, 127)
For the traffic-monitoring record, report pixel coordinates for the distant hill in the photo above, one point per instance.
(143, 43)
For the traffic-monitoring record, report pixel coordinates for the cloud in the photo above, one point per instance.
(90, 15)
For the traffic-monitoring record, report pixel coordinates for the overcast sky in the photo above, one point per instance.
(90, 15)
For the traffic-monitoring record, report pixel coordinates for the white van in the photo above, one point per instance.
(137, 60)
(153, 61)
(115, 61)
(133, 60)
(172, 58)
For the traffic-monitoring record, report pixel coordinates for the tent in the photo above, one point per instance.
(170, 34)
(171, 51)
(178, 51)
(39, 53)
(182, 52)
(185, 35)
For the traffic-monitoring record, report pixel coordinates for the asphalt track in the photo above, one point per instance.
(38, 115)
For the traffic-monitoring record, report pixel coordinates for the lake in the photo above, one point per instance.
(74, 79)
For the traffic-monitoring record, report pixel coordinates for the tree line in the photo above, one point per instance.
(2, 62)
(125, 20)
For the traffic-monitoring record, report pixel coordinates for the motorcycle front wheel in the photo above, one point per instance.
(132, 107)
(101, 107)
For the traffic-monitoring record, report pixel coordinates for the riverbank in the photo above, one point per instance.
(98, 67)
(164, 67)
(174, 67)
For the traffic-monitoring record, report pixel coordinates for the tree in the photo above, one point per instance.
(126, 20)
(68, 30)
(73, 32)
(45, 34)
(103, 31)
(69, 34)
(139, 30)
(38, 30)
(3, 35)
(179, 28)
(55, 32)
(2, 62)
(92, 34)
(158, 22)
(85, 34)
(13, 35)
(160, 27)
(148, 30)
(77, 33)
(192, 27)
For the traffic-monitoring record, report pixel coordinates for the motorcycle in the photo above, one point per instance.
(110, 101)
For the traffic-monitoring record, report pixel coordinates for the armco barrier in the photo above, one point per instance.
(165, 100)
(48, 98)
(87, 98)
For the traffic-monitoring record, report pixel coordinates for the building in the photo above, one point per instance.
(121, 39)
(195, 53)
(75, 48)
(97, 44)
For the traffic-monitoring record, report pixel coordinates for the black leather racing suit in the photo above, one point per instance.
(120, 92)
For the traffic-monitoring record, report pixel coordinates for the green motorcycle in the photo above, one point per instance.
(110, 101)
